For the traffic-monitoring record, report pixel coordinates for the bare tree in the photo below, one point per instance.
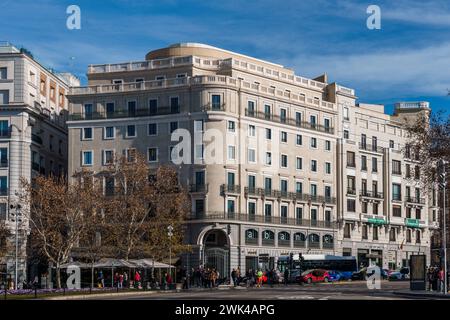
(55, 211)
(429, 143)
(5, 234)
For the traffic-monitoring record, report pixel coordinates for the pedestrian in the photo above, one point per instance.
(233, 277)
(120, 284)
(286, 276)
(435, 278)
(125, 279)
(259, 278)
(116, 280)
(101, 279)
(430, 278)
(137, 280)
(168, 280)
(441, 280)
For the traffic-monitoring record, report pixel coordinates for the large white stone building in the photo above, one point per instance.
(33, 136)
(293, 176)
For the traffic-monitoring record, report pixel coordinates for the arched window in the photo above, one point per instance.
(299, 240)
(327, 241)
(251, 236)
(284, 239)
(268, 237)
(314, 240)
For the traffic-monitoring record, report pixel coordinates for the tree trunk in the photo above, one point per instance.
(58, 276)
(92, 275)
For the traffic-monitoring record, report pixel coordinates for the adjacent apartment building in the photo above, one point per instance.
(33, 137)
(275, 160)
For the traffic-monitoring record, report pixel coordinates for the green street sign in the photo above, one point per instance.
(414, 223)
(376, 221)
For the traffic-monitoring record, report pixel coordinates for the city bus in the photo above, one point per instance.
(317, 261)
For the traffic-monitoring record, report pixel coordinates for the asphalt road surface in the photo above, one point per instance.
(357, 290)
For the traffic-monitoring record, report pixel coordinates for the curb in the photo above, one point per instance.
(423, 295)
(101, 295)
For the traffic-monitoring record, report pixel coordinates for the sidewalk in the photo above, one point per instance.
(422, 294)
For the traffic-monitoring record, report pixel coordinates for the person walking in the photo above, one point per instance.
(169, 280)
(233, 277)
(430, 278)
(137, 280)
(259, 278)
(441, 280)
(120, 284)
(286, 276)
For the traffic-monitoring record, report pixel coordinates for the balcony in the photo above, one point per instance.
(230, 188)
(351, 191)
(416, 200)
(369, 147)
(288, 121)
(295, 196)
(371, 194)
(143, 112)
(243, 217)
(198, 188)
(215, 107)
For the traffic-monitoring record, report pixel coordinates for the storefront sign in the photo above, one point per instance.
(414, 223)
(379, 221)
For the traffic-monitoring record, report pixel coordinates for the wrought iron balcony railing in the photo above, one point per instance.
(371, 194)
(370, 147)
(124, 113)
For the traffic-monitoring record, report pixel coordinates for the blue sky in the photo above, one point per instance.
(408, 59)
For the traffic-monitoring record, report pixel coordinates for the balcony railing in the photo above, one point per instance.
(371, 194)
(124, 113)
(351, 191)
(198, 188)
(370, 147)
(327, 245)
(314, 245)
(415, 200)
(288, 195)
(299, 244)
(215, 107)
(292, 122)
(235, 216)
(230, 188)
(284, 243)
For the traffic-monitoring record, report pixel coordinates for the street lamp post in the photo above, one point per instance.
(16, 220)
(444, 225)
(170, 234)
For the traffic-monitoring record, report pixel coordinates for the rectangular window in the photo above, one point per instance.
(391, 144)
(408, 171)
(351, 185)
(283, 115)
(4, 128)
(231, 178)
(284, 161)
(299, 214)
(108, 157)
(347, 231)
(397, 211)
(199, 151)
(364, 232)
(268, 158)
(313, 190)
(327, 167)
(418, 213)
(313, 142)
(267, 212)
(88, 110)
(153, 106)
(3, 73)
(131, 130)
(152, 129)
(173, 126)
(109, 186)
(351, 159)
(199, 207)
(267, 112)
(109, 133)
(299, 140)
(215, 102)
(230, 206)
(251, 155)
(374, 164)
(313, 121)
(375, 233)
(364, 207)
(299, 163)
(251, 209)
(314, 165)
(251, 108)
(392, 234)
(268, 134)
(351, 205)
(396, 192)
(152, 154)
(299, 187)
(131, 108)
(346, 114)
(363, 163)
(363, 141)
(87, 158)
(396, 167)
(131, 155)
(327, 145)
(231, 153)
(284, 185)
(268, 184)
(283, 136)
(109, 109)
(346, 134)
(3, 157)
(298, 119)
(231, 126)
(327, 192)
(251, 130)
(87, 133)
(251, 182)
(174, 105)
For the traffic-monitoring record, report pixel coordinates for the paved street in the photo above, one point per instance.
(331, 291)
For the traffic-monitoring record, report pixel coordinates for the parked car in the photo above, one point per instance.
(402, 274)
(345, 275)
(359, 275)
(315, 275)
(334, 275)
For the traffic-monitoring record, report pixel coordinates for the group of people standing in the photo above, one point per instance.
(435, 277)
(202, 278)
